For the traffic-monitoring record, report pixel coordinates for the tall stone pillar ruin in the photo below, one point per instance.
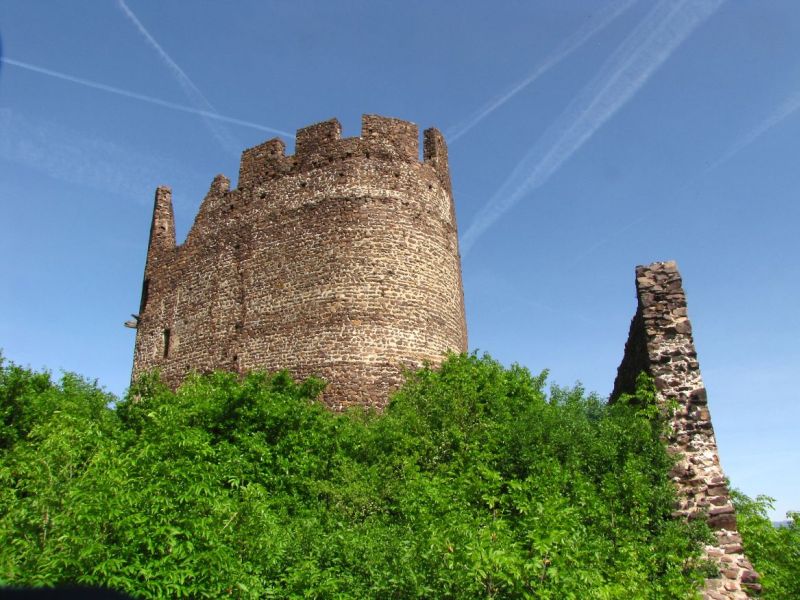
(660, 343)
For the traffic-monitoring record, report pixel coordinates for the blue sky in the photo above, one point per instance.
(585, 139)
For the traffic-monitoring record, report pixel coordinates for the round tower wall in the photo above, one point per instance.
(340, 261)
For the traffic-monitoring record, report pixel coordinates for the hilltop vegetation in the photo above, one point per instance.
(477, 482)
(774, 551)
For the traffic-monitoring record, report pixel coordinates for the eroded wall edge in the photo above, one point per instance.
(660, 343)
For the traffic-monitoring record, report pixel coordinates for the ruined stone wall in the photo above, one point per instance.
(339, 261)
(660, 343)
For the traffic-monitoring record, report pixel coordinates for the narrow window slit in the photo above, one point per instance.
(145, 293)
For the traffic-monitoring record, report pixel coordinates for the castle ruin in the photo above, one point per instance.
(340, 261)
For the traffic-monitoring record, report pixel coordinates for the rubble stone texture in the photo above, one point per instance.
(339, 261)
(660, 343)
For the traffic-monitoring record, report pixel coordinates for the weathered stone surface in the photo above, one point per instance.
(660, 343)
(340, 261)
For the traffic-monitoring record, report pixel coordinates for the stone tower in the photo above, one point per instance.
(339, 261)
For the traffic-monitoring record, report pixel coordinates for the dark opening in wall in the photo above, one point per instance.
(145, 292)
(166, 342)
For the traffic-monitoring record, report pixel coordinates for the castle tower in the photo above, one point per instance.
(339, 261)
(660, 343)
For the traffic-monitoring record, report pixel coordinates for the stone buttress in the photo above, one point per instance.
(339, 261)
(660, 343)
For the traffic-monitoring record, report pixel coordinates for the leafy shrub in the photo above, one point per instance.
(476, 482)
(774, 551)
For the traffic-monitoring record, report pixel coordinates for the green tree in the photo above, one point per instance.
(477, 481)
(774, 551)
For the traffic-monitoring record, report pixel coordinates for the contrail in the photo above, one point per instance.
(790, 106)
(597, 245)
(72, 156)
(567, 47)
(645, 49)
(144, 98)
(786, 109)
(195, 96)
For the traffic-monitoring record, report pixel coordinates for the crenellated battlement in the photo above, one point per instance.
(397, 138)
(382, 139)
(266, 159)
(315, 139)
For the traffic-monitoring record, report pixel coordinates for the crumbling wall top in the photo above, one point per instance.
(381, 138)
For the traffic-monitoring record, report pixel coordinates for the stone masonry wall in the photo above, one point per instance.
(660, 343)
(340, 261)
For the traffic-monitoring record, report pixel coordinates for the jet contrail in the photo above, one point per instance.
(567, 47)
(144, 98)
(72, 156)
(597, 245)
(195, 96)
(645, 49)
(790, 106)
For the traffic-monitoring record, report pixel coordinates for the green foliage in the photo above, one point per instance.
(774, 551)
(475, 483)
